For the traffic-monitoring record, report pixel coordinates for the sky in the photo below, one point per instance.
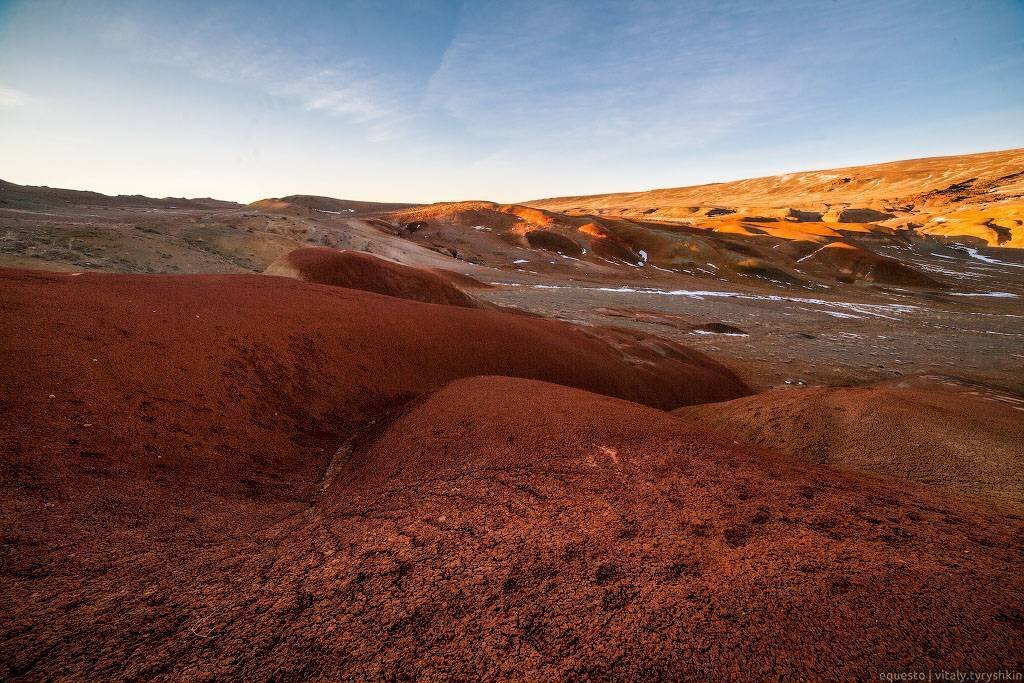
(420, 101)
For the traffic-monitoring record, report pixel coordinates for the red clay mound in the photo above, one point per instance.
(961, 438)
(845, 261)
(243, 384)
(359, 270)
(505, 528)
(149, 419)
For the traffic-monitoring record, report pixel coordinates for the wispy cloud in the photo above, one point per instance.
(508, 98)
(13, 99)
(215, 48)
(597, 79)
(567, 75)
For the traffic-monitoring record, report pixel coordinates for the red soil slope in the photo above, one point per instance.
(147, 420)
(517, 529)
(178, 400)
(961, 438)
(359, 270)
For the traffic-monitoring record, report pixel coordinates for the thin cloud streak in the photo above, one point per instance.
(503, 100)
(214, 50)
(10, 98)
(548, 85)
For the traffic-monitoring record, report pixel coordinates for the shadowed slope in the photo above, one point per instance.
(845, 261)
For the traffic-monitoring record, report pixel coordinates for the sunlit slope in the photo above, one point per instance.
(982, 191)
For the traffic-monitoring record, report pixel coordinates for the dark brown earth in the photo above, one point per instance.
(851, 263)
(960, 437)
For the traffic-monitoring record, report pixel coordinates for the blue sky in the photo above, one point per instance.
(431, 101)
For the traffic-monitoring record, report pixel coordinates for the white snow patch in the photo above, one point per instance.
(997, 295)
(719, 334)
(840, 314)
(875, 310)
(800, 260)
(987, 259)
(945, 271)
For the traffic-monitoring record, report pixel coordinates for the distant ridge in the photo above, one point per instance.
(34, 196)
(827, 187)
(306, 202)
(972, 195)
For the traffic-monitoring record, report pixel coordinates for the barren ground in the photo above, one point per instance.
(502, 442)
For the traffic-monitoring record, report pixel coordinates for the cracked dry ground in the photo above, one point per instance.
(472, 525)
